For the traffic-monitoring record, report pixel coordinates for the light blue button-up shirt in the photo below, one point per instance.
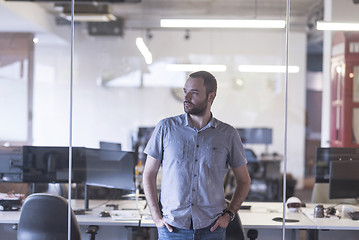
(194, 163)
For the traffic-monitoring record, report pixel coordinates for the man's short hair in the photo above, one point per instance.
(210, 81)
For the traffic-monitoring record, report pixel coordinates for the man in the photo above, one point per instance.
(195, 150)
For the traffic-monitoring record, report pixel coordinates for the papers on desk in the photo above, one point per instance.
(126, 215)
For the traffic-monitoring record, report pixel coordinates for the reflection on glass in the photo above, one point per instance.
(13, 95)
(15, 56)
(355, 78)
(356, 125)
(116, 93)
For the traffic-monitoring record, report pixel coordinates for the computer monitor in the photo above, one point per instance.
(325, 155)
(110, 146)
(344, 179)
(11, 164)
(255, 135)
(110, 169)
(51, 164)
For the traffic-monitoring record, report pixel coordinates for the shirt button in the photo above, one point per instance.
(196, 160)
(197, 146)
(193, 190)
(192, 204)
(195, 175)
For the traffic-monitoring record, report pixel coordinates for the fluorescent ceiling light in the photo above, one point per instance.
(338, 26)
(221, 23)
(144, 50)
(196, 67)
(268, 68)
(90, 17)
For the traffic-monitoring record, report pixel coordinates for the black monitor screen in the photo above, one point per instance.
(344, 179)
(111, 169)
(110, 146)
(11, 164)
(255, 135)
(325, 155)
(51, 164)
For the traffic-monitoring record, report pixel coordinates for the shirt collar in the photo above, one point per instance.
(213, 122)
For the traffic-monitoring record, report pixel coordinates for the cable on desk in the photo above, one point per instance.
(107, 201)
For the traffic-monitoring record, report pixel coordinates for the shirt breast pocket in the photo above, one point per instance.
(175, 150)
(217, 156)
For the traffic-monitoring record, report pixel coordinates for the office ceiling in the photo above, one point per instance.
(147, 13)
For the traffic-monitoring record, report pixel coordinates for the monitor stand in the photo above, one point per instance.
(86, 198)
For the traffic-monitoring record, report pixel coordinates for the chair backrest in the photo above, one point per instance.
(235, 230)
(253, 164)
(44, 217)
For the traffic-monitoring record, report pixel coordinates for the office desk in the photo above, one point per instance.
(92, 217)
(333, 227)
(260, 217)
(333, 222)
(109, 229)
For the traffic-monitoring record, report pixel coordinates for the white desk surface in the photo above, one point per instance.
(332, 222)
(9, 217)
(260, 216)
(91, 217)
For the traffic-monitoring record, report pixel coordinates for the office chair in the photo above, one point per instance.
(235, 230)
(44, 217)
(253, 164)
(252, 234)
(254, 170)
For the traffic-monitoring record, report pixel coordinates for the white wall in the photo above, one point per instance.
(344, 10)
(112, 114)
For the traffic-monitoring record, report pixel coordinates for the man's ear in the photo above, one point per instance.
(211, 97)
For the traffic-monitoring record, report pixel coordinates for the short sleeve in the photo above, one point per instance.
(237, 157)
(154, 147)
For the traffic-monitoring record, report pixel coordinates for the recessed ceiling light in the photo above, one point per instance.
(338, 26)
(268, 68)
(90, 17)
(221, 23)
(196, 67)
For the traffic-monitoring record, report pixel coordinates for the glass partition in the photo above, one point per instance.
(119, 95)
(16, 58)
(34, 94)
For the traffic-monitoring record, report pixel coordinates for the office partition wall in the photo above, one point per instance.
(116, 92)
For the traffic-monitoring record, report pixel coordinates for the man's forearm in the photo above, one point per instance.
(239, 195)
(150, 188)
(243, 183)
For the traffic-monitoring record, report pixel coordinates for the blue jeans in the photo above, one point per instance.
(191, 234)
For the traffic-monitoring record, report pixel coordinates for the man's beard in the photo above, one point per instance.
(197, 110)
